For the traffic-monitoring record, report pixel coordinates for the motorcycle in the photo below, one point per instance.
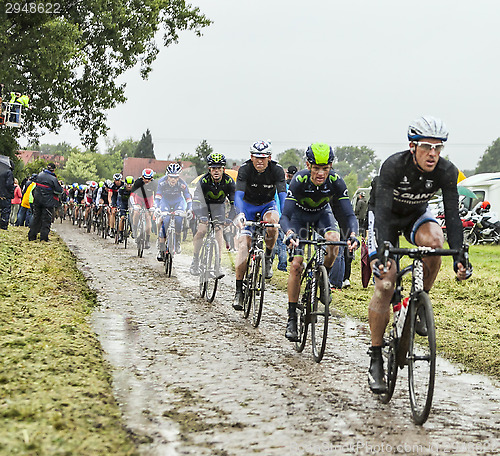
(484, 229)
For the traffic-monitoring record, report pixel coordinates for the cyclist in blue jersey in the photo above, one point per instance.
(212, 191)
(112, 200)
(256, 185)
(172, 194)
(312, 194)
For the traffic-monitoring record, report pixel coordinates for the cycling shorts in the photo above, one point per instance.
(322, 221)
(251, 210)
(140, 201)
(408, 227)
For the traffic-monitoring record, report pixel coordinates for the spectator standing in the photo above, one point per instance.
(24, 215)
(45, 199)
(360, 210)
(15, 202)
(6, 190)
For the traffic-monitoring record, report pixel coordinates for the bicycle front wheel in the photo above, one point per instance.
(168, 263)
(212, 267)
(248, 286)
(421, 358)
(203, 270)
(258, 290)
(320, 312)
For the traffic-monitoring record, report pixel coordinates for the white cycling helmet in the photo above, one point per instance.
(427, 127)
(173, 170)
(261, 149)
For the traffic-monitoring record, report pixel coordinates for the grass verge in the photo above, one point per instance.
(55, 387)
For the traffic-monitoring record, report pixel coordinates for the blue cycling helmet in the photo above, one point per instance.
(320, 154)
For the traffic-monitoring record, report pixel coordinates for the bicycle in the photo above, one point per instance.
(254, 281)
(210, 262)
(140, 237)
(313, 306)
(169, 252)
(408, 344)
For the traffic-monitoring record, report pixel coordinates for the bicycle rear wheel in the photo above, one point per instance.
(203, 270)
(389, 352)
(212, 268)
(126, 230)
(421, 359)
(168, 263)
(140, 239)
(320, 311)
(248, 286)
(258, 289)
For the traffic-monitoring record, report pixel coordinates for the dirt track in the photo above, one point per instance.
(196, 378)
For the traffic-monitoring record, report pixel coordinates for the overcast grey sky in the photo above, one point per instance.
(344, 72)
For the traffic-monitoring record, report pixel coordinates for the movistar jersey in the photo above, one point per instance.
(306, 197)
(208, 192)
(403, 191)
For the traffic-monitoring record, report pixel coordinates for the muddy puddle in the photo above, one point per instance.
(196, 378)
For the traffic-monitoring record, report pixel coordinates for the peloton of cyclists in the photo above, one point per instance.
(312, 194)
(172, 194)
(209, 202)
(256, 185)
(406, 183)
(89, 199)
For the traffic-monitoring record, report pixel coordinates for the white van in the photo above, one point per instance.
(486, 186)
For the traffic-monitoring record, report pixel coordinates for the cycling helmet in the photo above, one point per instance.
(81, 187)
(319, 154)
(75, 184)
(101, 183)
(261, 149)
(108, 183)
(485, 206)
(129, 180)
(427, 127)
(117, 176)
(173, 170)
(216, 160)
(93, 184)
(147, 173)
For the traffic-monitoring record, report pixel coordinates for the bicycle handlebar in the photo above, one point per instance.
(264, 224)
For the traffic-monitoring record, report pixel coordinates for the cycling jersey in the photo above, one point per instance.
(168, 196)
(90, 196)
(259, 188)
(102, 194)
(143, 193)
(113, 191)
(305, 200)
(402, 194)
(209, 195)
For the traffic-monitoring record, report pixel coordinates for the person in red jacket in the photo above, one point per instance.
(15, 202)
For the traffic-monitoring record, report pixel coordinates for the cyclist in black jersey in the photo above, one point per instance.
(112, 200)
(406, 183)
(258, 181)
(312, 194)
(210, 195)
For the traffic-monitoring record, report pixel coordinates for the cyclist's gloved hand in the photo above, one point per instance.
(157, 213)
(353, 242)
(190, 214)
(291, 240)
(462, 272)
(240, 220)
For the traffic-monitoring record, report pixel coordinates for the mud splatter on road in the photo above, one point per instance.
(196, 378)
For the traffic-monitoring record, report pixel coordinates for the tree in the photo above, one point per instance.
(69, 61)
(490, 160)
(80, 167)
(199, 159)
(63, 149)
(291, 157)
(145, 147)
(360, 160)
(125, 148)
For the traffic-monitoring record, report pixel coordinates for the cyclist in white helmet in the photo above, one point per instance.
(406, 183)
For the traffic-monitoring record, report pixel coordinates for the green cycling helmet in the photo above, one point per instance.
(320, 154)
